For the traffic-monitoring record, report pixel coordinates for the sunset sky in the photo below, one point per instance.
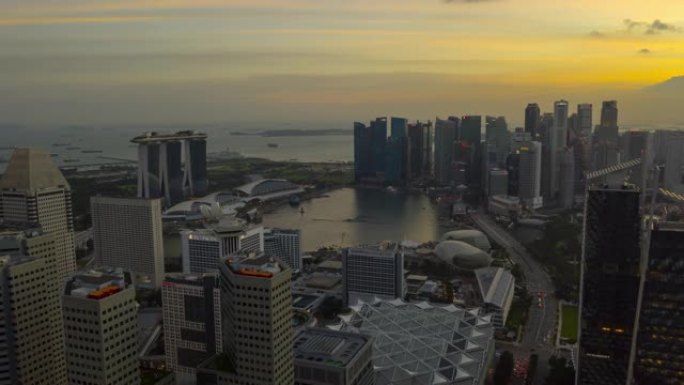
(102, 61)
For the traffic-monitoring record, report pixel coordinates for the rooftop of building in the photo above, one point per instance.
(258, 265)
(495, 284)
(472, 237)
(462, 254)
(423, 343)
(188, 279)
(152, 137)
(505, 199)
(30, 170)
(330, 264)
(14, 229)
(217, 201)
(97, 283)
(14, 259)
(306, 301)
(417, 278)
(265, 187)
(329, 347)
(321, 281)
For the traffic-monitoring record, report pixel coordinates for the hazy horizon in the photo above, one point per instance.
(207, 61)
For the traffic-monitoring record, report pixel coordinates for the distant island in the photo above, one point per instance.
(281, 133)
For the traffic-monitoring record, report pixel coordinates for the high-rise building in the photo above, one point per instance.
(547, 139)
(285, 244)
(498, 139)
(399, 127)
(33, 191)
(513, 167)
(445, 136)
(567, 178)
(101, 328)
(609, 114)
(471, 129)
(573, 129)
(584, 119)
(610, 285)
(558, 142)
(470, 134)
(415, 151)
(370, 147)
(659, 354)
(670, 153)
(395, 162)
(363, 159)
(465, 156)
(373, 271)
(32, 242)
(634, 146)
(191, 306)
(498, 182)
(428, 158)
(378, 129)
(256, 315)
(32, 345)
(195, 181)
(606, 137)
(395, 157)
(203, 249)
(532, 119)
(529, 173)
(162, 173)
(127, 233)
(329, 357)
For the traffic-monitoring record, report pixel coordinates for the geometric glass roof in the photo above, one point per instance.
(423, 344)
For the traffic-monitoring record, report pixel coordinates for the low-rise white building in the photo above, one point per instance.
(497, 287)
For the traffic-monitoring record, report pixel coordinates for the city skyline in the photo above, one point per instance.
(214, 61)
(268, 192)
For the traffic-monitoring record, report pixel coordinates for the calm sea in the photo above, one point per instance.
(353, 216)
(69, 143)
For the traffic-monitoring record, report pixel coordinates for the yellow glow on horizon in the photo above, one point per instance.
(531, 42)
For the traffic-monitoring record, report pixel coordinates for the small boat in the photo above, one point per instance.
(272, 145)
(91, 151)
(60, 144)
(70, 160)
(54, 155)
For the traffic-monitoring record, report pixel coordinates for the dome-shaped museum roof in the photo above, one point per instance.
(471, 237)
(462, 255)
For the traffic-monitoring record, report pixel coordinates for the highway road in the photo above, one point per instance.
(539, 332)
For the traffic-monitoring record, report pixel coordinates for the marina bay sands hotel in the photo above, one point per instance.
(172, 166)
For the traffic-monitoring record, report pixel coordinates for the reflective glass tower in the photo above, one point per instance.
(610, 285)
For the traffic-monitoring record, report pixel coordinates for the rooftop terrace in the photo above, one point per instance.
(97, 283)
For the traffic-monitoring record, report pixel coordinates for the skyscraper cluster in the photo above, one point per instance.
(404, 155)
(631, 303)
(542, 164)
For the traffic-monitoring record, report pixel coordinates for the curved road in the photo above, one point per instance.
(539, 332)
